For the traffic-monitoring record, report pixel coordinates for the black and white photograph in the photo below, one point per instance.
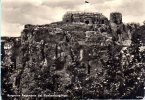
(72, 49)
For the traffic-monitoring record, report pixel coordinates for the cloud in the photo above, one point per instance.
(24, 13)
(11, 29)
(70, 4)
(62, 4)
(16, 13)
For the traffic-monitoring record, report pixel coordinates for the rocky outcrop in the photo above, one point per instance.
(81, 56)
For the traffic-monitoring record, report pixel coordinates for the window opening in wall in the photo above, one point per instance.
(103, 21)
(87, 22)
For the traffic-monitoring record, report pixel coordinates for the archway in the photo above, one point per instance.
(87, 22)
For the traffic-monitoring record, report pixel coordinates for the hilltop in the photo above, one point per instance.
(86, 55)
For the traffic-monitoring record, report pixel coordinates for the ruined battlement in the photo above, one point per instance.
(85, 17)
(92, 17)
(85, 51)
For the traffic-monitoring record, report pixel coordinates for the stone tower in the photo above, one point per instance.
(116, 18)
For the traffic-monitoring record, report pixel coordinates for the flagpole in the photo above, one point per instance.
(86, 2)
(85, 8)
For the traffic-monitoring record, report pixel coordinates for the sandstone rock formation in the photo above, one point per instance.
(82, 56)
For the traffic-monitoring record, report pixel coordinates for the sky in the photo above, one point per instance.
(17, 13)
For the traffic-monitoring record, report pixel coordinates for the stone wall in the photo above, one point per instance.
(84, 17)
(81, 53)
(116, 17)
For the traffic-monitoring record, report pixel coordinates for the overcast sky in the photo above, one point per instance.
(17, 13)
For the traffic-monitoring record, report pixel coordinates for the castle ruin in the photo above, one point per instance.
(76, 56)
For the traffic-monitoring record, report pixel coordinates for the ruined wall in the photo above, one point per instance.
(84, 17)
(120, 31)
(63, 56)
(116, 17)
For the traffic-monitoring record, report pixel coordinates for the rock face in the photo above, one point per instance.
(81, 56)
